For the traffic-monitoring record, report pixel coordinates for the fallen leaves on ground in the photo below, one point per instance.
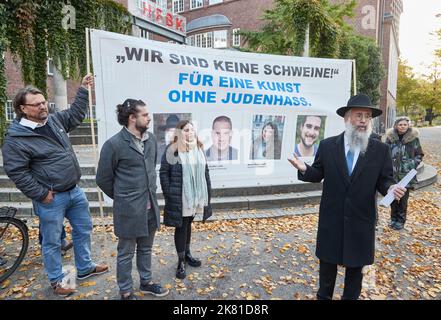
(271, 258)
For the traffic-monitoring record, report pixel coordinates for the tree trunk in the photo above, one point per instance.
(430, 116)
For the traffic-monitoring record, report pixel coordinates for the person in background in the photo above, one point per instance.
(407, 154)
(169, 133)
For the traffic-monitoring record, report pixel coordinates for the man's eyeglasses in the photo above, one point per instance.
(360, 116)
(36, 105)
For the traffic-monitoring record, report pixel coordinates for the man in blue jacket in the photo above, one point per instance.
(40, 160)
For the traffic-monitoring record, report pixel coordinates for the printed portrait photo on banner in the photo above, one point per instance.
(309, 132)
(164, 127)
(267, 137)
(221, 148)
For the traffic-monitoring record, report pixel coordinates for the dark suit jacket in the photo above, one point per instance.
(346, 230)
(129, 178)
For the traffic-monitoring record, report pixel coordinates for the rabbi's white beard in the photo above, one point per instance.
(358, 139)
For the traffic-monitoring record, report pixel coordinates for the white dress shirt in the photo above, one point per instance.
(356, 152)
(31, 124)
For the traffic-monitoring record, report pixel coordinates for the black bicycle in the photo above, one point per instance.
(14, 241)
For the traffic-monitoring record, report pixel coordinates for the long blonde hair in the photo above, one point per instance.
(179, 127)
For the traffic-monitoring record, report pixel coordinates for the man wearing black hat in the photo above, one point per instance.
(353, 166)
(169, 131)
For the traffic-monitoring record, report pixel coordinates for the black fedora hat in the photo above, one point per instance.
(359, 101)
(171, 122)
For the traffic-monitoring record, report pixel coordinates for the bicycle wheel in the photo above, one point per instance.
(13, 245)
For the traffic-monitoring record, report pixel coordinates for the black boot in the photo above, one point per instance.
(401, 220)
(180, 271)
(193, 262)
(394, 215)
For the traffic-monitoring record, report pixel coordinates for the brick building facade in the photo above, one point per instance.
(214, 23)
(380, 20)
(15, 82)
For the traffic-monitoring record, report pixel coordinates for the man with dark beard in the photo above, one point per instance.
(309, 134)
(126, 173)
(353, 166)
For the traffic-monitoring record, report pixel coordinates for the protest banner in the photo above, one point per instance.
(251, 111)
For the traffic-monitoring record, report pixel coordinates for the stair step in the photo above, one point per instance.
(81, 140)
(86, 169)
(14, 195)
(83, 130)
(244, 203)
(88, 181)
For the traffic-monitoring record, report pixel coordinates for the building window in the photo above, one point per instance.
(144, 33)
(214, 1)
(190, 41)
(212, 39)
(178, 6)
(10, 114)
(220, 38)
(162, 3)
(236, 37)
(204, 40)
(207, 40)
(195, 4)
(50, 67)
(204, 43)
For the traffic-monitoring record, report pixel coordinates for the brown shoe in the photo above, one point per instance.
(99, 269)
(61, 291)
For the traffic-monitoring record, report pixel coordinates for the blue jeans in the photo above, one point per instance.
(63, 236)
(74, 206)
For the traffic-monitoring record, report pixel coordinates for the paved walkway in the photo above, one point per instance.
(267, 258)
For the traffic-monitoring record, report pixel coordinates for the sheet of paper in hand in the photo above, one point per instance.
(389, 198)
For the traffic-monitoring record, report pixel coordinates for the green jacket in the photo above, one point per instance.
(406, 153)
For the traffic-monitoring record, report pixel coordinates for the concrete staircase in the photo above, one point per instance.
(82, 135)
(232, 198)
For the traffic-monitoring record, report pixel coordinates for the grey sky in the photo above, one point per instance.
(417, 22)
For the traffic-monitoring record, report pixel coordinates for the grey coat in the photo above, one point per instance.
(37, 163)
(129, 178)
